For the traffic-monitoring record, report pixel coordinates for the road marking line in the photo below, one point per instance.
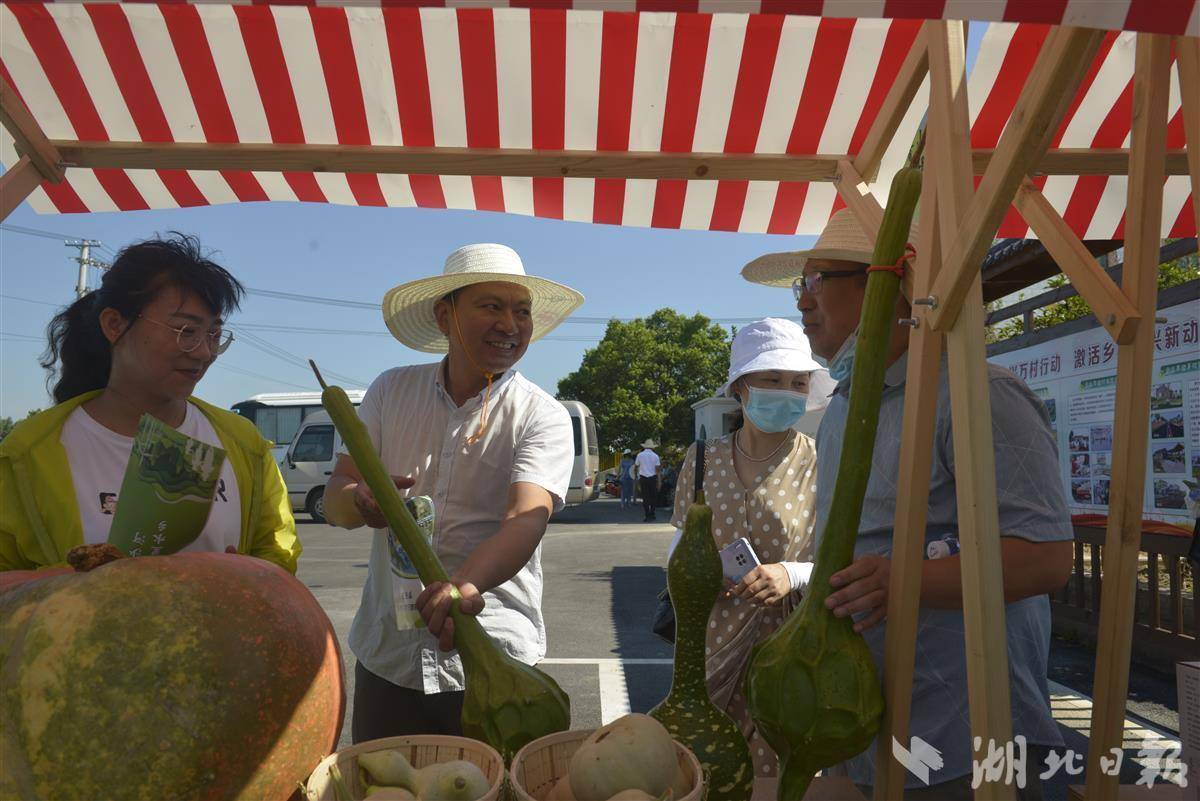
(1073, 710)
(614, 693)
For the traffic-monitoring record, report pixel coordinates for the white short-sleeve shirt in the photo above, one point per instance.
(419, 432)
(647, 463)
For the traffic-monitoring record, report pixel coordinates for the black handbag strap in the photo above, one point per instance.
(699, 466)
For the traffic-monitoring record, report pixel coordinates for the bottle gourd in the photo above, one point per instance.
(694, 578)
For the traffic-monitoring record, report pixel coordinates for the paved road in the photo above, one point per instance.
(604, 569)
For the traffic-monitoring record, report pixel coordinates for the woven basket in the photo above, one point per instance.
(538, 766)
(420, 750)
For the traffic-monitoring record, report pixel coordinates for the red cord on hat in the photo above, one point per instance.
(909, 254)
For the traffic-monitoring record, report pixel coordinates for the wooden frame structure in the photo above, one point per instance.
(959, 223)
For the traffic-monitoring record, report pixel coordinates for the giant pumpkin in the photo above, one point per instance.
(193, 676)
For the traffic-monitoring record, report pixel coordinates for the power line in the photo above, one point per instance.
(20, 337)
(259, 376)
(574, 319)
(296, 361)
(21, 229)
(31, 300)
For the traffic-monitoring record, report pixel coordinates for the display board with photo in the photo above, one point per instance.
(1075, 378)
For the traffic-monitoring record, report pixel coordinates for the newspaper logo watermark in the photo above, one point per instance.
(918, 758)
(1007, 763)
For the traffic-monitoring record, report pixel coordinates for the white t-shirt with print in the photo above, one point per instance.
(98, 458)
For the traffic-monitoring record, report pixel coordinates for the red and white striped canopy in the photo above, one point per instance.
(548, 79)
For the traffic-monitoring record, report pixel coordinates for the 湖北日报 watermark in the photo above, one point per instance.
(1008, 763)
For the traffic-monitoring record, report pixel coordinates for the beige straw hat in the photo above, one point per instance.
(408, 308)
(842, 239)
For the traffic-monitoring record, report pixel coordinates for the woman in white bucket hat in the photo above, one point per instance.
(759, 481)
(492, 453)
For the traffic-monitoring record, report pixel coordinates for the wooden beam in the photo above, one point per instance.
(895, 105)
(535, 163)
(1135, 359)
(988, 685)
(27, 134)
(447, 161)
(1187, 62)
(1065, 57)
(912, 507)
(1114, 311)
(1083, 161)
(16, 183)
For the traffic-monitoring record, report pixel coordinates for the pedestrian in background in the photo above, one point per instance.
(625, 476)
(646, 464)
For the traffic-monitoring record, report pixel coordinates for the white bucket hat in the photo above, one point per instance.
(777, 344)
(408, 308)
(843, 239)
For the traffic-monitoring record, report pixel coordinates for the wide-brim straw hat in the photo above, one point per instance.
(649, 444)
(843, 239)
(408, 308)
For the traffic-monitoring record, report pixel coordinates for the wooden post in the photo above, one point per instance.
(1134, 367)
(1187, 54)
(15, 185)
(912, 504)
(1065, 57)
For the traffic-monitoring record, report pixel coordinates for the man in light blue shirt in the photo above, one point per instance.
(1036, 545)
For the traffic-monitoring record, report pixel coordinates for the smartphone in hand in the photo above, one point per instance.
(738, 559)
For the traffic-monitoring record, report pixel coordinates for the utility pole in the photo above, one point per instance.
(85, 260)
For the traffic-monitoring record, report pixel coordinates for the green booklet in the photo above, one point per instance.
(167, 491)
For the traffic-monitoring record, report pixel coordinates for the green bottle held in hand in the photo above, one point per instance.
(507, 703)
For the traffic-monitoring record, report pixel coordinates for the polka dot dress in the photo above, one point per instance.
(776, 516)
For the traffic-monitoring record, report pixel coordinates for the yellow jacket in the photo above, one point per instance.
(39, 515)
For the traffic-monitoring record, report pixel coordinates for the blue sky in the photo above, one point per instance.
(359, 253)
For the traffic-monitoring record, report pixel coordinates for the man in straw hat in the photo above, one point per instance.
(493, 454)
(829, 283)
(645, 466)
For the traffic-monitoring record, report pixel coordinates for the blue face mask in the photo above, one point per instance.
(774, 410)
(842, 362)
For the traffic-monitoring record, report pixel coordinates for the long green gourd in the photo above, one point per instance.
(812, 686)
(507, 703)
(694, 579)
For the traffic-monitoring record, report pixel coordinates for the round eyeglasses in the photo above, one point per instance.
(810, 284)
(189, 337)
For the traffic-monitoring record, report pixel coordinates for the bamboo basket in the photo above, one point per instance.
(420, 750)
(540, 764)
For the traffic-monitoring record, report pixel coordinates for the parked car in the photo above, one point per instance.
(308, 463)
(585, 473)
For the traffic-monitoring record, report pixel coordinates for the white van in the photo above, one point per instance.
(308, 464)
(278, 415)
(310, 458)
(585, 473)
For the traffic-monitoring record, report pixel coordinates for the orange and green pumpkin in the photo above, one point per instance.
(193, 676)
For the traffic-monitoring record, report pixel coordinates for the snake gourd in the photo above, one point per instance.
(812, 686)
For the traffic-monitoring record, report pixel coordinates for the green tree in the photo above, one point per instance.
(642, 379)
(7, 423)
(1171, 273)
